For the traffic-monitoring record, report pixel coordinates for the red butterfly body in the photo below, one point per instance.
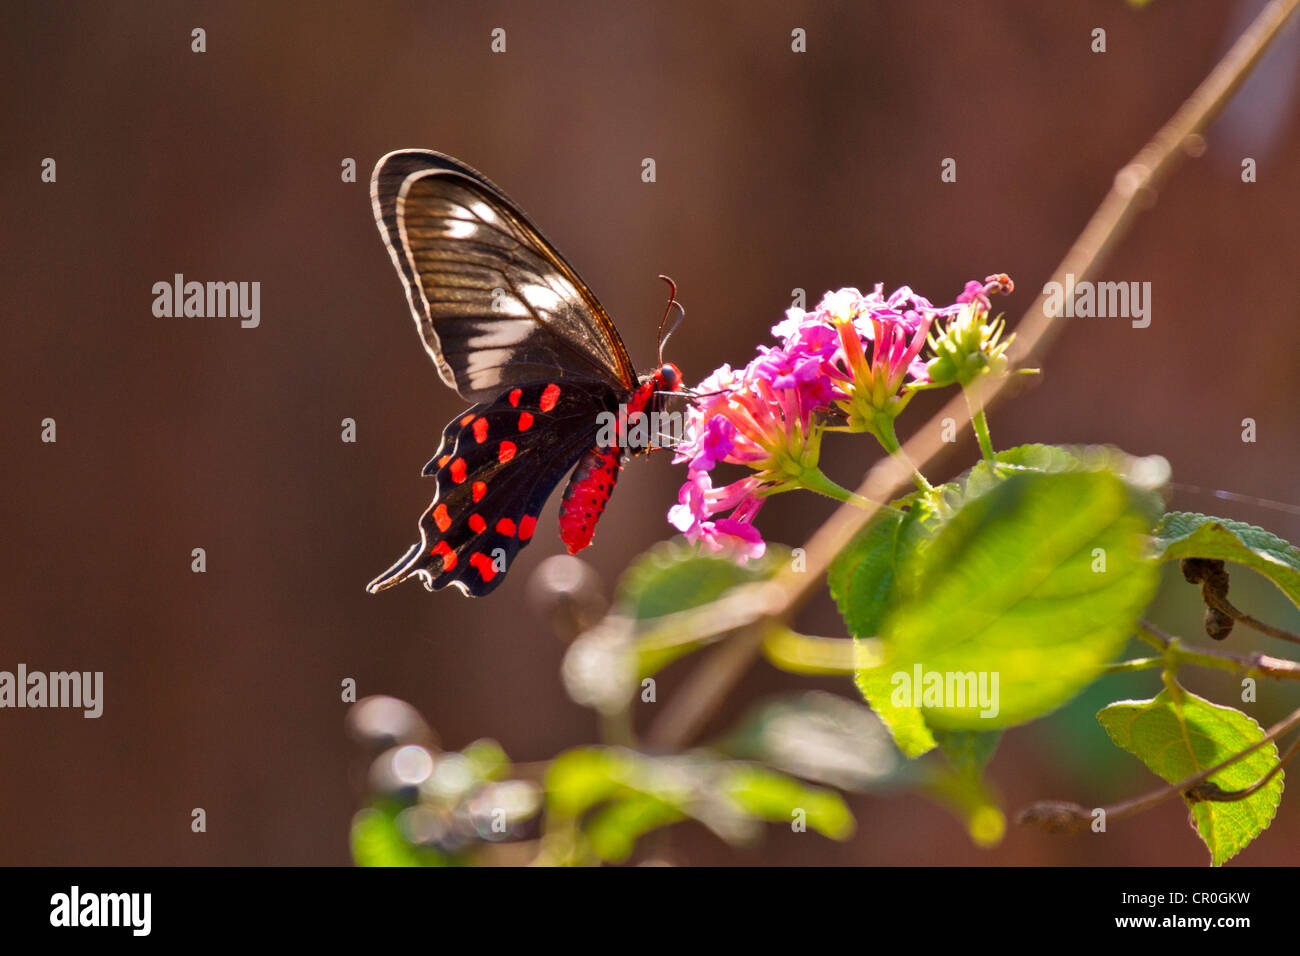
(512, 327)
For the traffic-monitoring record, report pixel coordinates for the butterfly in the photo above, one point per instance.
(514, 330)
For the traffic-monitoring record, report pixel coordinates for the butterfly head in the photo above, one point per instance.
(668, 378)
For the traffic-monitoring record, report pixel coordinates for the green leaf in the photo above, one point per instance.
(1012, 590)
(581, 778)
(1183, 534)
(961, 786)
(972, 801)
(817, 736)
(377, 841)
(675, 576)
(905, 723)
(864, 582)
(968, 751)
(1047, 459)
(768, 795)
(861, 578)
(614, 830)
(625, 794)
(1177, 738)
(487, 760)
(864, 578)
(1145, 476)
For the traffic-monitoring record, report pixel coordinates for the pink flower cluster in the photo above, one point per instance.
(764, 415)
(854, 357)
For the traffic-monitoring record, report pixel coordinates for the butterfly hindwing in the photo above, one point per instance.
(495, 303)
(496, 466)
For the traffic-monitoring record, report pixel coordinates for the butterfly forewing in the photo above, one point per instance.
(498, 463)
(495, 303)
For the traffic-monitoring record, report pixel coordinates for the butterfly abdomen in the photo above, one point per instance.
(587, 494)
(593, 481)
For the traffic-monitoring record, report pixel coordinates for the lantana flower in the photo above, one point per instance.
(969, 345)
(852, 364)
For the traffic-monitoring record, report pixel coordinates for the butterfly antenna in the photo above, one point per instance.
(672, 303)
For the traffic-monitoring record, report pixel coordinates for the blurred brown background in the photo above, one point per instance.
(775, 170)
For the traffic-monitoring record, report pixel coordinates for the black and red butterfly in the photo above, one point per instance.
(513, 328)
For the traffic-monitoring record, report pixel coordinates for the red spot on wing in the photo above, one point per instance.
(443, 549)
(442, 462)
(467, 419)
(506, 451)
(477, 524)
(525, 421)
(514, 396)
(480, 430)
(506, 527)
(478, 490)
(458, 470)
(526, 525)
(550, 395)
(441, 518)
(483, 564)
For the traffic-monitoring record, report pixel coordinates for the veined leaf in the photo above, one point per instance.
(1179, 737)
(1031, 588)
(1183, 534)
(906, 724)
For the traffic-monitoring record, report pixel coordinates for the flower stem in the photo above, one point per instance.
(813, 479)
(883, 429)
(981, 423)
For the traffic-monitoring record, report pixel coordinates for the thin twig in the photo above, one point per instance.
(1134, 188)
(1223, 605)
(1059, 817)
(1244, 664)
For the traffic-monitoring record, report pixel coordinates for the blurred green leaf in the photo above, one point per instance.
(624, 794)
(968, 797)
(1183, 534)
(961, 787)
(1012, 586)
(614, 830)
(1177, 737)
(377, 841)
(768, 795)
(798, 653)
(968, 751)
(487, 760)
(817, 736)
(579, 779)
(675, 576)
